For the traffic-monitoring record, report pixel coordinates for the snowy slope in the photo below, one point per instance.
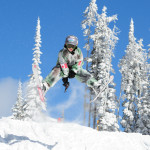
(50, 135)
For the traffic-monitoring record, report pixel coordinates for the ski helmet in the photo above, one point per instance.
(71, 39)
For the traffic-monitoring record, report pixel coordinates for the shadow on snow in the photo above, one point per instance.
(13, 139)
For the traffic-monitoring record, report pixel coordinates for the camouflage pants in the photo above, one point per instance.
(82, 75)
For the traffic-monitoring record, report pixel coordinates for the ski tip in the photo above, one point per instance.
(34, 66)
(111, 77)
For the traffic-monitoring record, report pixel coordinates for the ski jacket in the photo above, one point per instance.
(67, 61)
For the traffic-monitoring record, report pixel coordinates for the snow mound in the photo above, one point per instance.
(51, 135)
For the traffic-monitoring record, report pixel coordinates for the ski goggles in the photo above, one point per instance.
(70, 46)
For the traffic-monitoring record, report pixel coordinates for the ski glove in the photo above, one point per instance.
(71, 74)
(45, 87)
(66, 83)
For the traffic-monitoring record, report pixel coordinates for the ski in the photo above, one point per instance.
(101, 90)
(35, 72)
(66, 88)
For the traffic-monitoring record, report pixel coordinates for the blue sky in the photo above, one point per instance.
(59, 18)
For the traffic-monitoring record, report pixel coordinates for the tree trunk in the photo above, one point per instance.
(89, 122)
(94, 117)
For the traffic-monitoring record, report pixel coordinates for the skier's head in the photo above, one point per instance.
(71, 43)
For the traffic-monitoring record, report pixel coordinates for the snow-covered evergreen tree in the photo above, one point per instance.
(90, 15)
(104, 43)
(134, 81)
(143, 122)
(33, 103)
(37, 52)
(148, 66)
(126, 69)
(18, 107)
(88, 24)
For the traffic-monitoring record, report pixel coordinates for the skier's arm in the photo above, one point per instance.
(63, 64)
(79, 62)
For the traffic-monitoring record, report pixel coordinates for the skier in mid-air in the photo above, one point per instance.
(69, 65)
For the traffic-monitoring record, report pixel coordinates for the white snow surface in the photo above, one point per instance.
(51, 135)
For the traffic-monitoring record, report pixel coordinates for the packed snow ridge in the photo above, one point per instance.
(51, 135)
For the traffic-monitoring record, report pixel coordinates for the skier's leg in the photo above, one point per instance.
(85, 77)
(54, 76)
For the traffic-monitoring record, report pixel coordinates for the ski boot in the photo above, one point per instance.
(45, 87)
(66, 83)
